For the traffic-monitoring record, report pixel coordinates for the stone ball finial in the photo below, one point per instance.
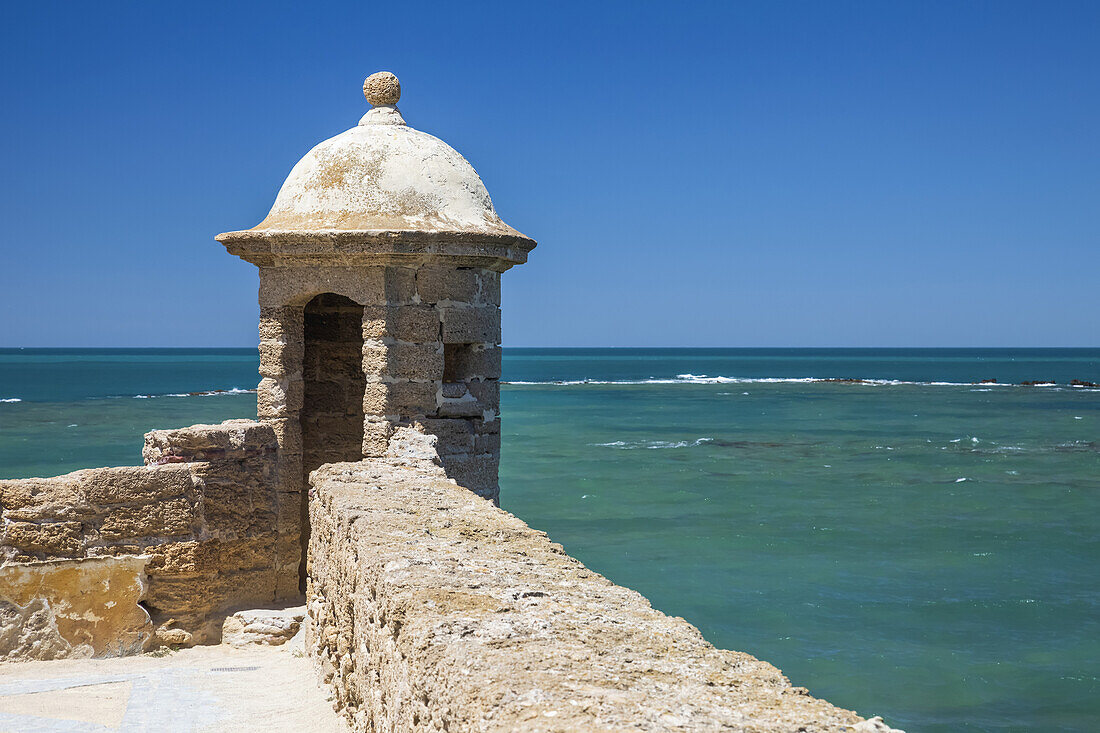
(382, 88)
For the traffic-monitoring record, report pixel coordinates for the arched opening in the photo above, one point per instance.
(332, 408)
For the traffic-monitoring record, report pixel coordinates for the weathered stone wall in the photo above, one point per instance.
(432, 360)
(54, 609)
(204, 511)
(430, 357)
(432, 609)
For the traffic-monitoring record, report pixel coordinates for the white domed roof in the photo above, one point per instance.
(383, 176)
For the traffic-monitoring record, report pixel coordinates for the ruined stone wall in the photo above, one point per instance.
(432, 609)
(204, 511)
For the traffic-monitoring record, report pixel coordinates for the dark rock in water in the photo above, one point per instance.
(1037, 383)
(1082, 383)
(988, 381)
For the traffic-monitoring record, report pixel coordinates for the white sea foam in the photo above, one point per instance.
(707, 379)
(10, 399)
(205, 393)
(652, 444)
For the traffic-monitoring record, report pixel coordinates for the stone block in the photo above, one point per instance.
(314, 459)
(279, 398)
(400, 398)
(246, 588)
(183, 596)
(489, 294)
(174, 558)
(487, 393)
(46, 497)
(400, 285)
(479, 473)
(287, 581)
(482, 427)
(376, 436)
(231, 440)
(471, 325)
(469, 361)
(162, 519)
(288, 432)
(288, 472)
(178, 517)
(453, 435)
(375, 360)
(128, 485)
(413, 323)
(421, 362)
(336, 362)
(296, 286)
(441, 284)
(336, 430)
(262, 627)
(230, 510)
(244, 553)
(462, 406)
(453, 390)
(284, 324)
(288, 519)
(487, 443)
(288, 554)
(73, 608)
(52, 539)
(279, 359)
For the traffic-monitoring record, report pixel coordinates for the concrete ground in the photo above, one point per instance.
(209, 688)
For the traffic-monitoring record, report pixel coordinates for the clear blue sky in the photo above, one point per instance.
(712, 174)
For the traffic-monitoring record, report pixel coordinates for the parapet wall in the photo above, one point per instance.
(203, 512)
(432, 609)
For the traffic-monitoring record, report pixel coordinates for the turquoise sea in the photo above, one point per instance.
(920, 546)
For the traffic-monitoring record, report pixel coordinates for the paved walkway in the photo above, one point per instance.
(212, 688)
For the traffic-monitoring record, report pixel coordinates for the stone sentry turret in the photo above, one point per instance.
(380, 267)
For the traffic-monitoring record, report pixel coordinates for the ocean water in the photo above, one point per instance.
(920, 546)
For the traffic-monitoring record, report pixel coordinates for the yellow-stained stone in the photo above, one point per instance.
(73, 608)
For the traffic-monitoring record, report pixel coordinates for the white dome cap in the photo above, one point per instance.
(383, 178)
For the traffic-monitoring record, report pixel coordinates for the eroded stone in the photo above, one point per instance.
(73, 608)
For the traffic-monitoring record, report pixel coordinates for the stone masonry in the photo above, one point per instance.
(202, 513)
(431, 609)
(380, 266)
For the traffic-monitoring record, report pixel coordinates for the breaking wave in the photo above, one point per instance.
(652, 444)
(706, 379)
(204, 393)
(10, 399)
